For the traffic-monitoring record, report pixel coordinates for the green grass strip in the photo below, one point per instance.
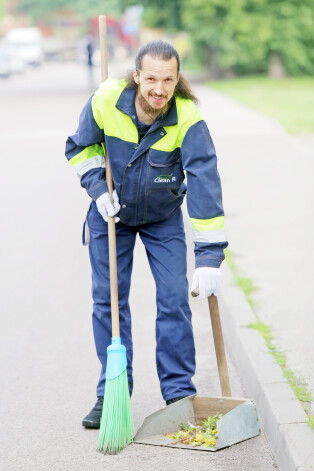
(297, 383)
(310, 421)
(289, 100)
(246, 284)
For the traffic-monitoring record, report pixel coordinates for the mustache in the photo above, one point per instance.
(149, 109)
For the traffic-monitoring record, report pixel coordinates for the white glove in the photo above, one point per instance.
(105, 207)
(207, 280)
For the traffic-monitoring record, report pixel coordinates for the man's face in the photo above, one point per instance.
(157, 81)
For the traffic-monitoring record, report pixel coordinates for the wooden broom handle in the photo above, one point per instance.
(219, 343)
(111, 221)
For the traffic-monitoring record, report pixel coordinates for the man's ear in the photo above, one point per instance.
(178, 78)
(136, 77)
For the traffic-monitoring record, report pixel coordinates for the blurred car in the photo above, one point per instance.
(27, 42)
(11, 61)
(17, 62)
(5, 70)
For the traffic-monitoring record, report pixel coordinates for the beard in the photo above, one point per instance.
(153, 112)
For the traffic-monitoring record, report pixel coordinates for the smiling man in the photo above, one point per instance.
(156, 87)
(154, 135)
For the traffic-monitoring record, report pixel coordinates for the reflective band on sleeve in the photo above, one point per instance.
(214, 224)
(209, 236)
(86, 154)
(93, 162)
(209, 230)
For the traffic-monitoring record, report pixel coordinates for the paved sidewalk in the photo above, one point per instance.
(268, 194)
(269, 202)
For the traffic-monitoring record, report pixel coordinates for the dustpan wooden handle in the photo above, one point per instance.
(111, 221)
(219, 344)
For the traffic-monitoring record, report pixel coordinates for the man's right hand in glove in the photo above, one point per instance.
(105, 206)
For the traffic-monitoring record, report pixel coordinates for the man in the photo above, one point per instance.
(153, 133)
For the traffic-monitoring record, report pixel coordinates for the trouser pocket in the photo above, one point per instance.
(86, 233)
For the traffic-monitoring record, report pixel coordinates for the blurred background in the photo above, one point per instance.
(227, 38)
(240, 46)
(251, 63)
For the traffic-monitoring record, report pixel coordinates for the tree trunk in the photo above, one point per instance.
(276, 68)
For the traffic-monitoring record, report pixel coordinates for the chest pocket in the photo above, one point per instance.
(164, 169)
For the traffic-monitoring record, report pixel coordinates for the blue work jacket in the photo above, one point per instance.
(149, 175)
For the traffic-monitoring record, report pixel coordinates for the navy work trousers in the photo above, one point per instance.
(166, 251)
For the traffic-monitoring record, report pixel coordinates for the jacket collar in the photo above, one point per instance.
(126, 104)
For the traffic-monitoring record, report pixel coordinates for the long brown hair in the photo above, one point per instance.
(163, 51)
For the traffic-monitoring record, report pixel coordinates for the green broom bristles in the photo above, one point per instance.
(116, 426)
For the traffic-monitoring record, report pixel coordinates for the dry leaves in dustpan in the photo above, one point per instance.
(204, 434)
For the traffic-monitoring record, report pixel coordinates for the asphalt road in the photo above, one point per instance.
(49, 367)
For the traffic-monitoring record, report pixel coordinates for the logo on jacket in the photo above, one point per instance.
(165, 178)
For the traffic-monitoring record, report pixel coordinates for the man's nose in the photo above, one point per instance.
(158, 89)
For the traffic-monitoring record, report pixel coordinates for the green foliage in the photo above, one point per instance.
(241, 35)
(292, 24)
(38, 9)
(164, 14)
(223, 30)
(231, 36)
(41, 9)
(3, 8)
(94, 8)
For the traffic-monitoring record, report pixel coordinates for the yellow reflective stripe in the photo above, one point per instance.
(188, 115)
(115, 123)
(86, 154)
(214, 224)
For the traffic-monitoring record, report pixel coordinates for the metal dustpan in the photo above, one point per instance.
(239, 421)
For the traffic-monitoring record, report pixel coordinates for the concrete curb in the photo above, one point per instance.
(281, 415)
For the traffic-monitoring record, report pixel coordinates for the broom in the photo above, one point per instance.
(116, 426)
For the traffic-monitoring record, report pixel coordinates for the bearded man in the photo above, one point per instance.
(154, 135)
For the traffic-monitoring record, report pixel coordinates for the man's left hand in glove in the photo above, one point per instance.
(207, 280)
